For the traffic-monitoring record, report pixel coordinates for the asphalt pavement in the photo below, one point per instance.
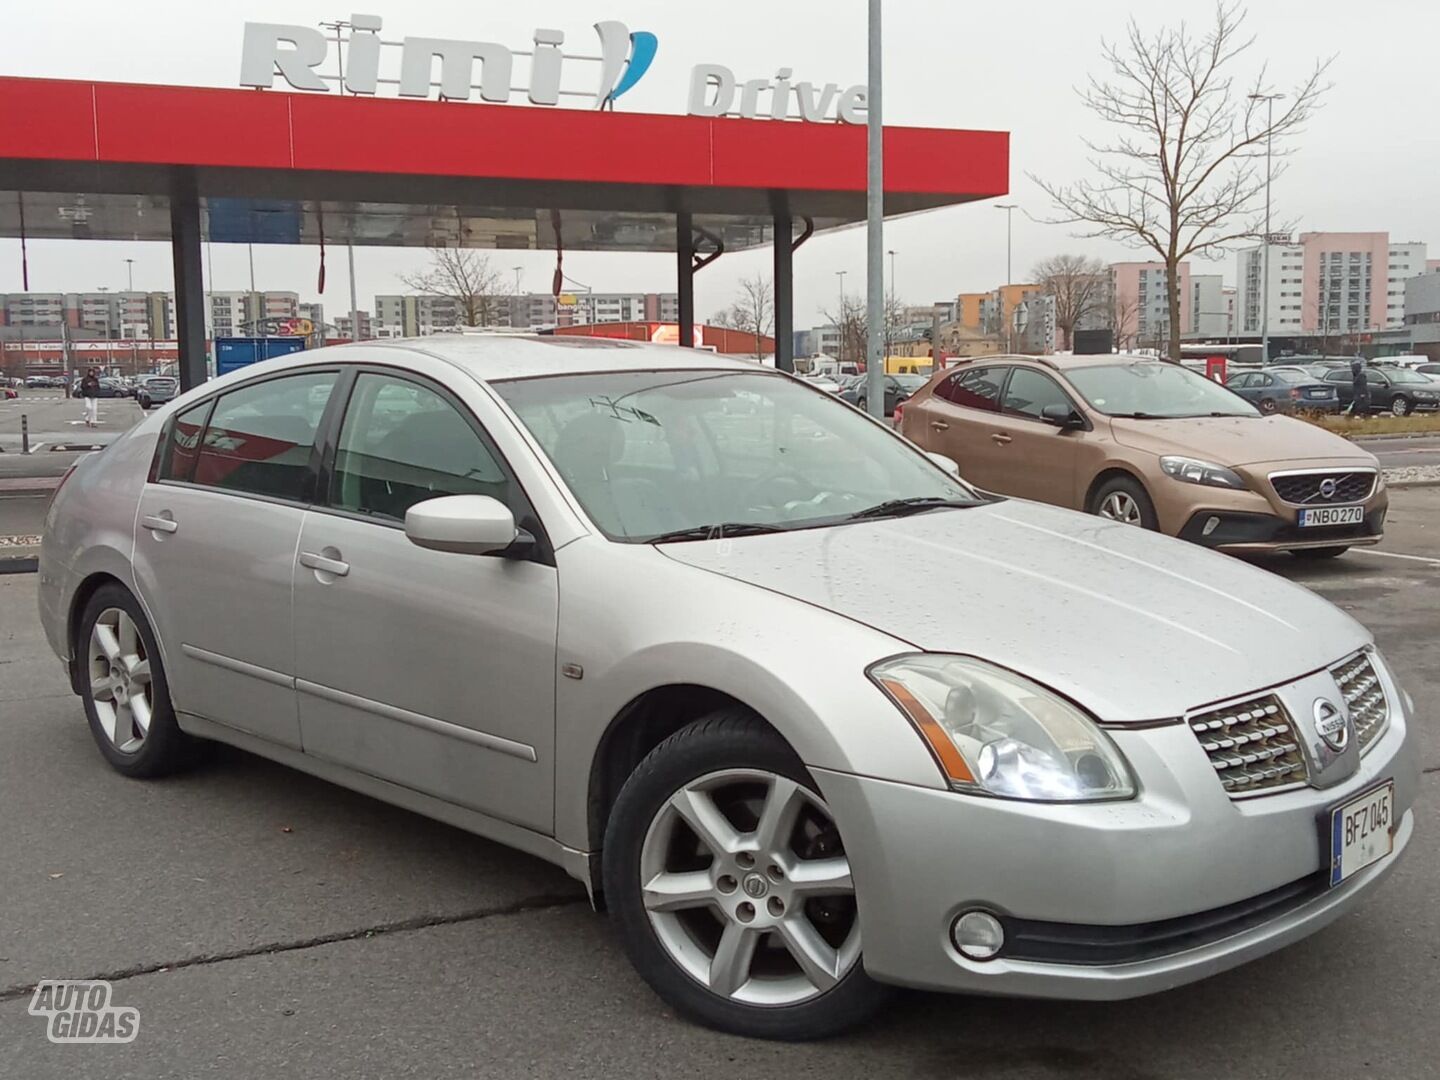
(1403, 452)
(269, 924)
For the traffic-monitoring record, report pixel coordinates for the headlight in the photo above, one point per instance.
(1195, 471)
(995, 732)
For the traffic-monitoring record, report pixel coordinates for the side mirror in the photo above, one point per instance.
(1062, 416)
(946, 463)
(466, 524)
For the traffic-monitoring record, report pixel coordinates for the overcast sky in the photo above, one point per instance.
(1371, 159)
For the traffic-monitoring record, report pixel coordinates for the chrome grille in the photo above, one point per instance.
(1252, 746)
(1304, 489)
(1359, 684)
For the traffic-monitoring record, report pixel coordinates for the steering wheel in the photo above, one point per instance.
(769, 490)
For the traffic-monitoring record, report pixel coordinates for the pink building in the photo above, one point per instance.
(1345, 281)
(1142, 306)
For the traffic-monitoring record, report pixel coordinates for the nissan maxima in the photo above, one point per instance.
(636, 610)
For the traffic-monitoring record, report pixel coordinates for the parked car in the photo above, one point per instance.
(1395, 390)
(1284, 389)
(1152, 444)
(156, 390)
(1433, 370)
(823, 382)
(10, 393)
(572, 603)
(897, 389)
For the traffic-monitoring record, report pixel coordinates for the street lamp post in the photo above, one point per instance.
(1009, 321)
(129, 275)
(874, 223)
(1269, 100)
(840, 316)
(890, 306)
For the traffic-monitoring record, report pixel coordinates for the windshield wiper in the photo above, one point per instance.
(915, 505)
(1141, 416)
(718, 531)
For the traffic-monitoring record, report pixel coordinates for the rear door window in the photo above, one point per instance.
(261, 437)
(181, 448)
(974, 388)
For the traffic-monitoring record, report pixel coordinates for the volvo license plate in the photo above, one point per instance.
(1332, 515)
(1362, 832)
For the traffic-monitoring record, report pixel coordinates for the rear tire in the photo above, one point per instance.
(694, 812)
(1124, 499)
(1320, 553)
(1268, 406)
(124, 690)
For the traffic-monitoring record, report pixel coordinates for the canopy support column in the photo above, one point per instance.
(189, 281)
(685, 276)
(784, 284)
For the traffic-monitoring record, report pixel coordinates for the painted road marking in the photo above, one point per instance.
(1395, 555)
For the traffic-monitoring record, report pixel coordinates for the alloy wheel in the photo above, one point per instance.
(1400, 407)
(120, 684)
(748, 890)
(1118, 506)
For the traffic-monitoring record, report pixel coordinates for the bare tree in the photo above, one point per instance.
(1080, 286)
(1124, 317)
(1184, 174)
(465, 276)
(753, 311)
(850, 319)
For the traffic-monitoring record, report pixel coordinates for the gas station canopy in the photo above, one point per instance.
(121, 161)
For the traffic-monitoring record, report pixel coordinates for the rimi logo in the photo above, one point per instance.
(298, 54)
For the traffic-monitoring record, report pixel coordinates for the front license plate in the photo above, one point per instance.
(1362, 832)
(1332, 515)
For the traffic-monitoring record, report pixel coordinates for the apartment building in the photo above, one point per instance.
(368, 329)
(1209, 315)
(237, 314)
(1142, 306)
(1329, 282)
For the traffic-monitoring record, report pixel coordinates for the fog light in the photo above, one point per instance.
(1211, 524)
(978, 935)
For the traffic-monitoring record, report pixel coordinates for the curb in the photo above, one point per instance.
(1391, 437)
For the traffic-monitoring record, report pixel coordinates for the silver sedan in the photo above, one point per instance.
(808, 713)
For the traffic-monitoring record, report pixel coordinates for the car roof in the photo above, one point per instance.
(491, 357)
(1061, 362)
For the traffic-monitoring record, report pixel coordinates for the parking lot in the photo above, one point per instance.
(266, 923)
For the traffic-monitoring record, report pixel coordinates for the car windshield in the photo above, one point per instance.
(910, 383)
(1155, 390)
(651, 453)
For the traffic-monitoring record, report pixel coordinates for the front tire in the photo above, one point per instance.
(1124, 499)
(124, 690)
(730, 886)
(1400, 405)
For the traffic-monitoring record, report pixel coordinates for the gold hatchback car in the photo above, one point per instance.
(1154, 444)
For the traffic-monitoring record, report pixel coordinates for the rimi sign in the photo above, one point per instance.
(301, 56)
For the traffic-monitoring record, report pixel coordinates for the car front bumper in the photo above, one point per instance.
(1221, 881)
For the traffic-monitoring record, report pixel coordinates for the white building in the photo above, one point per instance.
(1407, 260)
(1209, 316)
(1287, 289)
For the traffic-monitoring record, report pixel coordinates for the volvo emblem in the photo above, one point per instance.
(755, 886)
(1328, 487)
(1331, 725)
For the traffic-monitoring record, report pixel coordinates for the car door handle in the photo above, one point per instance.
(1001, 439)
(159, 523)
(323, 564)
(939, 425)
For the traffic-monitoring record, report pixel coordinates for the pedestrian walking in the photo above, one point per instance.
(1360, 388)
(90, 391)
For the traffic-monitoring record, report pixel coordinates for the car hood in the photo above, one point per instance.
(1133, 625)
(1238, 440)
